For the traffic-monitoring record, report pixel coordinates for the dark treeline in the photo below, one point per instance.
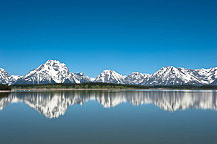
(78, 86)
(107, 86)
(4, 87)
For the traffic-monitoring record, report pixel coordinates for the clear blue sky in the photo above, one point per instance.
(92, 35)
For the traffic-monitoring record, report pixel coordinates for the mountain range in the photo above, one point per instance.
(54, 71)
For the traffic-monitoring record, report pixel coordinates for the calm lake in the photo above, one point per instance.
(109, 117)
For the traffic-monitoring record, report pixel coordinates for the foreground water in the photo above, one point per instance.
(109, 117)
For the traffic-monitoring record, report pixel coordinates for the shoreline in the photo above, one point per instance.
(80, 89)
(72, 89)
(5, 91)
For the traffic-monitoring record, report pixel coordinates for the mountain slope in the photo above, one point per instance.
(110, 76)
(207, 76)
(77, 78)
(6, 78)
(180, 76)
(55, 72)
(136, 78)
(172, 76)
(51, 72)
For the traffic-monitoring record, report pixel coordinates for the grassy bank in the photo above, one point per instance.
(106, 86)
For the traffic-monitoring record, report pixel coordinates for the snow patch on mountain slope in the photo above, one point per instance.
(110, 76)
(136, 78)
(179, 76)
(6, 78)
(52, 72)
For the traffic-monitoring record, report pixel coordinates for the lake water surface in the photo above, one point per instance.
(109, 117)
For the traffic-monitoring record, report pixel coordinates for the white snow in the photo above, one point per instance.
(110, 76)
(54, 71)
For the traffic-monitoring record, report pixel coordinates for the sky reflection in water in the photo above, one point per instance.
(109, 117)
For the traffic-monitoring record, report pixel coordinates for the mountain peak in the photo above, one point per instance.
(168, 67)
(135, 73)
(52, 71)
(110, 76)
(165, 70)
(3, 70)
(52, 61)
(136, 78)
(6, 78)
(109, 71)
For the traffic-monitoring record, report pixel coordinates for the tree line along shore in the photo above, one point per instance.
(100, 86)
(5, 87)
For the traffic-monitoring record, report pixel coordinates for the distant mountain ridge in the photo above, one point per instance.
(6, 78)
(54, 71)
(110, 76)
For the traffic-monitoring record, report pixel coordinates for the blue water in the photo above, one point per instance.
(105, 117)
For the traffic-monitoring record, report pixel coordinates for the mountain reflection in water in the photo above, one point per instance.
(55, 104)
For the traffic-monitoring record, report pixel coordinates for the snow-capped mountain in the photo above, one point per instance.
(165, 76)
(136, 78)
(172, 76)
(110, 76)
(52, 72)
(180, 76)
(207, 76)
(6, 78)
(77, 78)
(55, 72)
